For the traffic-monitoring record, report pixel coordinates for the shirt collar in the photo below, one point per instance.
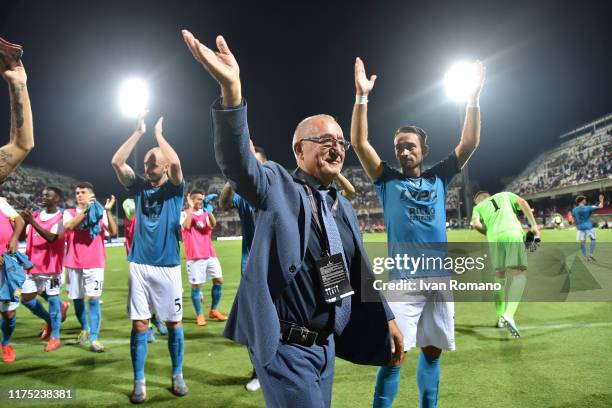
(304, 178)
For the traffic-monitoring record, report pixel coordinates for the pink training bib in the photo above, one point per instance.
(84, 252)
(198, 238)
(47, 257)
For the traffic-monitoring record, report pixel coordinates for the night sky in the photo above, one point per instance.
(549, 70)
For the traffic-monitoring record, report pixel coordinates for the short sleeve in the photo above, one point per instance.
(388, 174)
(138, 186)
(177, 190)
(183, 216)
(445, 169)
(513, 198)
(67, 216)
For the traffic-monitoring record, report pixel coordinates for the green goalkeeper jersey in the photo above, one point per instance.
(498, 214)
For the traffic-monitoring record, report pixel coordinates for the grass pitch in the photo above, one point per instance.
(562, 360)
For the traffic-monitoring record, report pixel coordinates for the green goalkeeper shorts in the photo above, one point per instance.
(508, 255)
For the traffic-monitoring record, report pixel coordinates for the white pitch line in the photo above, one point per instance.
(126, 340)
(555, 326)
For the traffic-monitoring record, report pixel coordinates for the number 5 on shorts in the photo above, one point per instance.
(177, 303)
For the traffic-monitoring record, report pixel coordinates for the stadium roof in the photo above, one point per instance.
(591, 126)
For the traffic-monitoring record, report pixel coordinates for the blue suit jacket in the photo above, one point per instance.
(282, 227)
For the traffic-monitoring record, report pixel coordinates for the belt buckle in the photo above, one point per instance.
(300, 335)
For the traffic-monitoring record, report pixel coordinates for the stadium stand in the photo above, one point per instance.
(581, 164)
(584, 156)
(22, 189)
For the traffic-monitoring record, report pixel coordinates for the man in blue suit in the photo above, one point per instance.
(293, 321)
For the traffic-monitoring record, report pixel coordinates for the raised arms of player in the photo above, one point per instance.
(529, 214)
(370, 161)
(21, 139)
(212, 221)
(124, 172)
(232, 142)
(601, 201)
(226, 198)
(188, 213)
(176, 173)
(347, 188)
(113, 230)
(470, 136)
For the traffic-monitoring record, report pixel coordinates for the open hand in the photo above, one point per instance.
(363, 85)
(110, 202)
(220, 64)
(141, 127)
(480, 73)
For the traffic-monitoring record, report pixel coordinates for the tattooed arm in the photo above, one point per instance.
(124, 172)
(22, 133)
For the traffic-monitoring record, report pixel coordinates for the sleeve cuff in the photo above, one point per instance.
(216, 106)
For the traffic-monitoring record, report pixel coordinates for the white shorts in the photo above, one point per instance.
(7, 306)
(155, 288)
(48, 283)
(583, 234)
(429, 320)
(86, 281)
(201, 270)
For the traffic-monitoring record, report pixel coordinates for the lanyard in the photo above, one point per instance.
(325, 249)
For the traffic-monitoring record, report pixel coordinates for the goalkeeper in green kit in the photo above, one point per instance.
(496, 216)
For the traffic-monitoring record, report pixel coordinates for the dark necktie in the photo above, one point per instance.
(343, 308)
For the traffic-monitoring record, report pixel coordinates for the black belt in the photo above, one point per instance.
(293, 333)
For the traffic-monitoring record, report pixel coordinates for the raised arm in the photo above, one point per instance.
(226, 199)
(347, 188)
(601, 201)
(176, 173)
(230, 128)
(212, 221)
(113, 230)
(370, 161)
(21, 139)
(188, 213)
(470, 136)
(124, 172)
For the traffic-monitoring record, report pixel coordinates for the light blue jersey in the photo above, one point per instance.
(158, 213)
(247, 224)
(415, 213)
(582, 213)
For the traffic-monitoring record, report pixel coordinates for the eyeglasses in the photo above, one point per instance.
(328, 142)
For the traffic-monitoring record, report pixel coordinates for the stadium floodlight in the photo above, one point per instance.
(133, 97)
(460, 80)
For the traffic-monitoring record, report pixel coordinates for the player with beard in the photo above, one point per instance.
(155, 281)
(413, 202)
